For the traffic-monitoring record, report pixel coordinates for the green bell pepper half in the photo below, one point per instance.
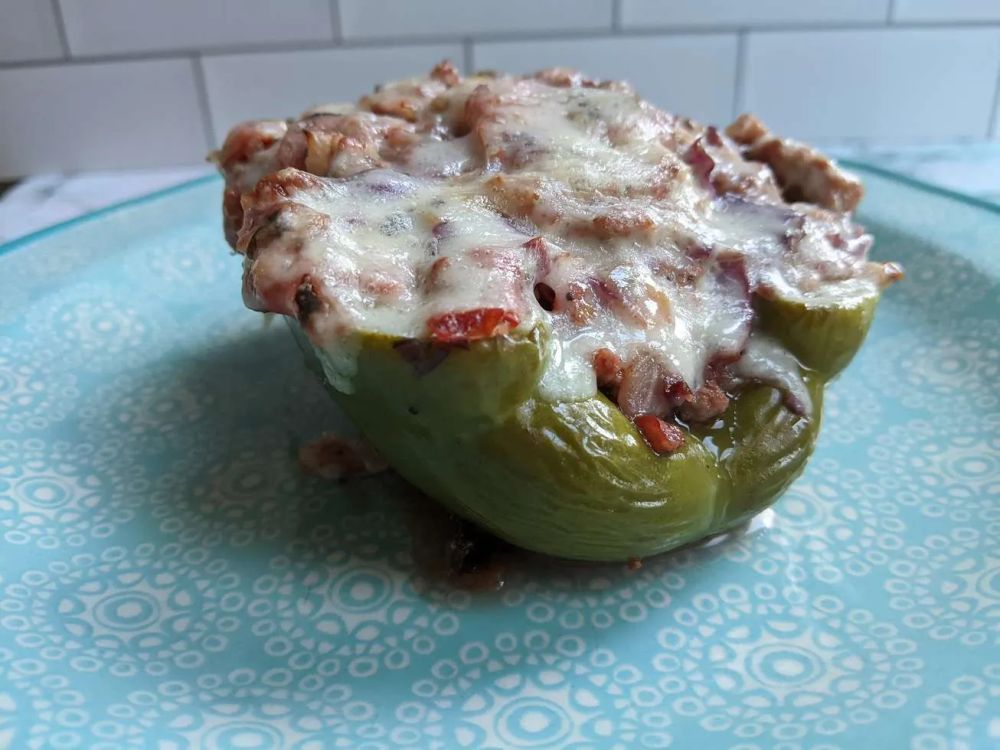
(576, 479)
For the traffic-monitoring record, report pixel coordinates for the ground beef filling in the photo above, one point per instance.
(442, 210)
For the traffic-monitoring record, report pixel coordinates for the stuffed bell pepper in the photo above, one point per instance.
(596, 329)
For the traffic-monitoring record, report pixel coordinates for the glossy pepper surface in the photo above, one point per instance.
(576, 479)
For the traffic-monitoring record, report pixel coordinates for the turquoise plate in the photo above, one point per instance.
(169, 578)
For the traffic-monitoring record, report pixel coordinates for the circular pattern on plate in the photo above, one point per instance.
(61, 495)
(536, 689)
(949, 587)
(963, 716)
(122, 612)
(767, 665)
(90, 328)
(34, 394)
(941, 472)
(181, 265)
(949, 370)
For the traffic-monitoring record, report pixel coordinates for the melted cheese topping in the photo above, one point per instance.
(462, 209)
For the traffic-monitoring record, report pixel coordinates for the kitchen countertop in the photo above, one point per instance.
(46, 199)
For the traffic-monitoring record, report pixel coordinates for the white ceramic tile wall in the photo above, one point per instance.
(105, 27)
(830, 69)
(405, 18)
(645, 13)
(29, 31)
(282, 84)
(873, 84)
(658, 66)
(946, 10)
(141, 114)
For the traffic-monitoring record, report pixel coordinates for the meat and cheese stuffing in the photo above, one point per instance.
(447, 209)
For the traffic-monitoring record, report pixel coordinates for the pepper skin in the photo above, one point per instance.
(823, 338)
(574, 479)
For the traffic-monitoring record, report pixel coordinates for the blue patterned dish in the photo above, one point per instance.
(170, 579)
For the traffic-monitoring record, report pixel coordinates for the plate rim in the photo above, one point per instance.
(18, 242)
(916, 182)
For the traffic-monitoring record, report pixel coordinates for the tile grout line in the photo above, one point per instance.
(890, 14)
(991, 123)
(336, 24)
(61, 28)
(616, 16)
(521, 36)
(739, 78)
(598, 32)
(468, 59)
(201, 90)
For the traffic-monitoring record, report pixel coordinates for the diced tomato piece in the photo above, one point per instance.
(662, 437)
(701, 163)
(469, 325)
(607, 367)
(676, 389)
(536, 244)
(540, 248)
(434, 278)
